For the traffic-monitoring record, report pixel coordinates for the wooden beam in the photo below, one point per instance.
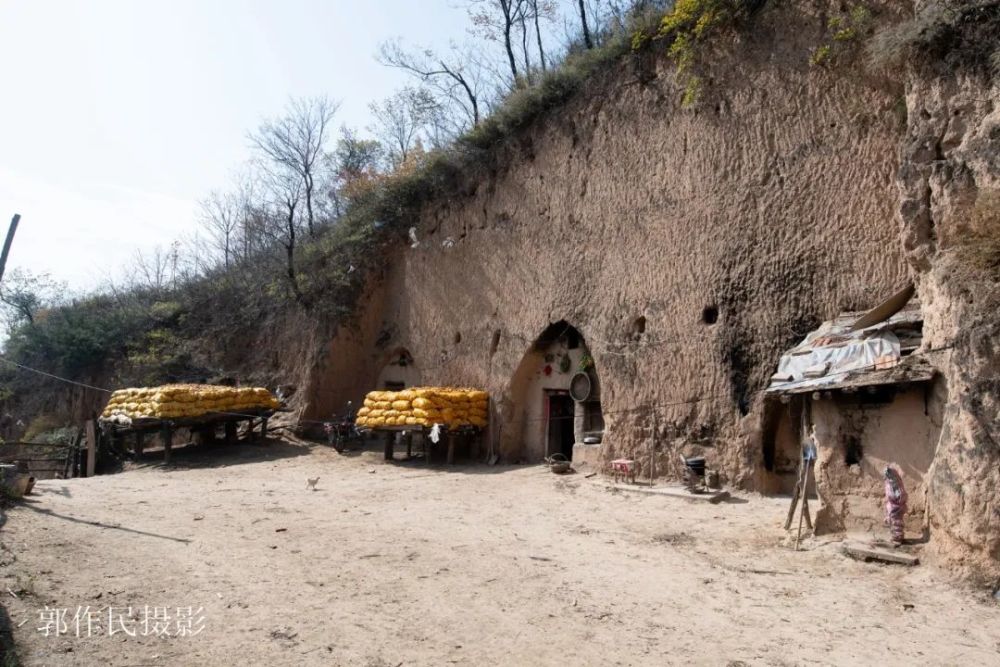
(390, 438)
(867, 553)
(71, 454)
(91, 448)
(8, 242)
(167, 436)
(673, 492)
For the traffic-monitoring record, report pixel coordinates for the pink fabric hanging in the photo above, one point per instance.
(895, 503)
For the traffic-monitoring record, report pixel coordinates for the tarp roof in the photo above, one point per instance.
(913, 368)
(834, 357)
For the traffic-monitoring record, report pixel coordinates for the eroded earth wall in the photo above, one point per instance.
(786, 195)
(772, 202)
(949, 178)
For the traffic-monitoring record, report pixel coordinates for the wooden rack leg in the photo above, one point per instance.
(137, 445)
(91, 448)
(451, 448)
(230, 433)
(409, 446)
(388, 452)
(167, 434)
(263, 428)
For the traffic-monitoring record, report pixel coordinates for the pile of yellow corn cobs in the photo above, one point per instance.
(186, 400)
(424, 406)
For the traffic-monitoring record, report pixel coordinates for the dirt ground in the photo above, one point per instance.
(408, 565)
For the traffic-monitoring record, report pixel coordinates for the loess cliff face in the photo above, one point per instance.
(950, 165)
(771, 203)
(786, 195)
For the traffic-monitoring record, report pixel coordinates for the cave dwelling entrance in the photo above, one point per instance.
(398, 371)
(556, 405)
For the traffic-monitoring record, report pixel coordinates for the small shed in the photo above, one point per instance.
(871, 399)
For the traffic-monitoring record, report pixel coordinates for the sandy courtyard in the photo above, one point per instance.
(409, 565)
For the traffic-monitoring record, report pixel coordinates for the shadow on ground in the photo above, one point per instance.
(32, 505)
(373, 448)
(191, 456)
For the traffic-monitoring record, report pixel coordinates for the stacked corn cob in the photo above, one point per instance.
(425, 406)
(185, 400)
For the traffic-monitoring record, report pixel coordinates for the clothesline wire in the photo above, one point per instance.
(106, 391)
(55, 377)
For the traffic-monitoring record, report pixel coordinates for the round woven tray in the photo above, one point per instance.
(558, 463)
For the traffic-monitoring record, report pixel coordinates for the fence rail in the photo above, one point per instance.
(44, 459)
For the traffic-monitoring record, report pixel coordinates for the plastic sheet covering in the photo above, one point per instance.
(827, 355)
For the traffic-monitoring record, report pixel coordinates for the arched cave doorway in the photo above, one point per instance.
(546, 418)
(399, 371)
(782, 434)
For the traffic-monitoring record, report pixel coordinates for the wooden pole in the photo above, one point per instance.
(805, 495)
(72, 454)
(548, 425)
(805, 507)
(91, 448)
(489, 428)
(167, 435)
(387, 452)
(8, 242)
(795, 496)
(798, 535)
(927, 514)
(652, 448)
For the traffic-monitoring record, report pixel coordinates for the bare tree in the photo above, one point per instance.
(522, 22)
(248, 194)
(197, 256)
(399, 120)
(151, 269)
(587, 40)
(221, 217)
(280, 213)
(542, 10)
(295, 143)
(456, 78)
(23, 294)
(496, 20)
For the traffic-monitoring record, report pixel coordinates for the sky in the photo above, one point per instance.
(119, 116)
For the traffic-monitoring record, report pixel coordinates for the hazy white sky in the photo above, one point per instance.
(119, 115)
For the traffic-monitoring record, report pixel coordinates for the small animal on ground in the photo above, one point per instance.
(311, 483)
